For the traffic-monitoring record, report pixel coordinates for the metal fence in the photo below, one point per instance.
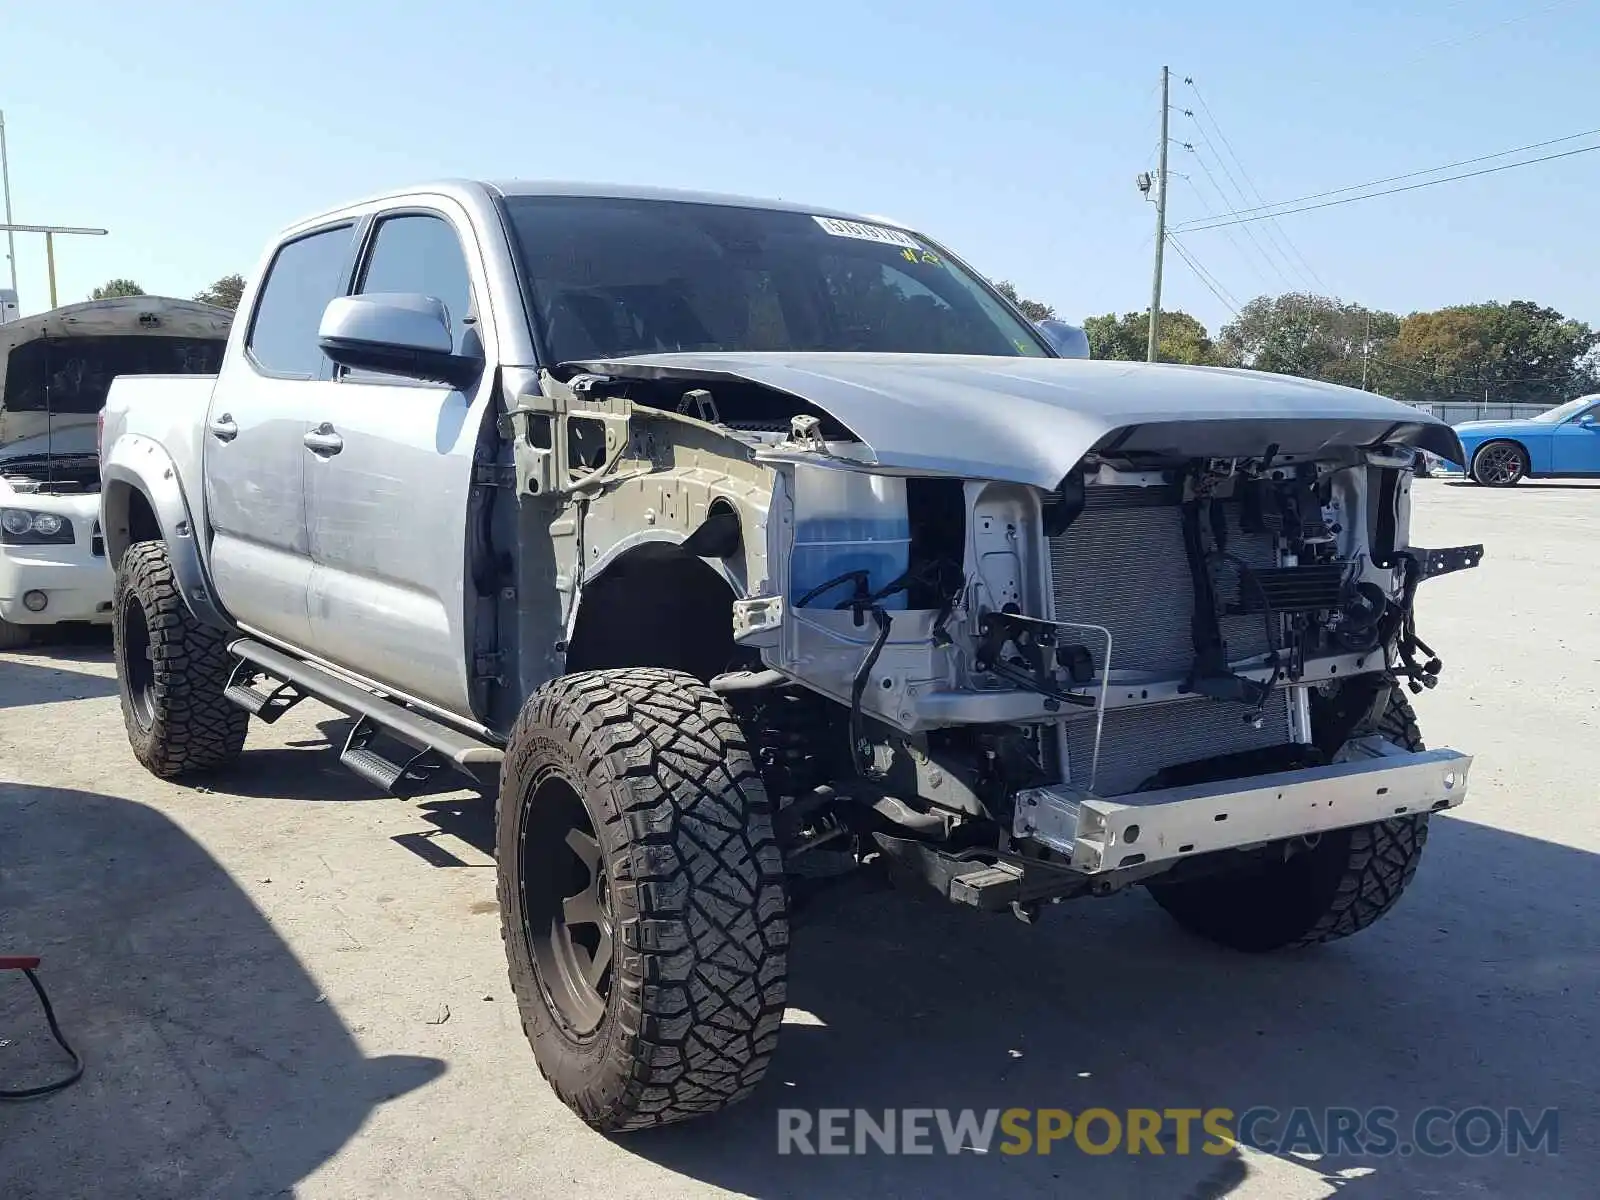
(1454, 412)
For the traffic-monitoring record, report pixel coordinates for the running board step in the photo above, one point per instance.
(268, 705)
(403, 779)
(432, 742)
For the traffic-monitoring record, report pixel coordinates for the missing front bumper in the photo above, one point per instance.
(1376, 781)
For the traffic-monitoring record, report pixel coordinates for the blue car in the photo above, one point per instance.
(1561, 443)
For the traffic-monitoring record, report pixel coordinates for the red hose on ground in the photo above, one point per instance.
(26, 963)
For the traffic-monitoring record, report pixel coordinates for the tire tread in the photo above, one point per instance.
(1350, 880)
(700, 973)
(195, 730)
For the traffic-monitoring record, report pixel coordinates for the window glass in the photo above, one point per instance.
(421, 254)
(304, 276)
(614, 277)
(1563, 412)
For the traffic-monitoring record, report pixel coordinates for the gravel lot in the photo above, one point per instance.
(289, 986)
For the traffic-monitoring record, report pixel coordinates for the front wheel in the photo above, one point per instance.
(1499, 464)
(642, 897)
(1344, 883)
(171, 672)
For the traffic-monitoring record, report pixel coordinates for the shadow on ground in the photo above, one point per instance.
(36, 674)
(214, 1067)
(308, 768)
(1477, 990)
(27, 682)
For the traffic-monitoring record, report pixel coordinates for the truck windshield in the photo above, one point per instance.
(616, 277)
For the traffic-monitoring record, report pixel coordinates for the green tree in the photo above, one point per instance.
(116, 287)
(1183, 338)
(1034, 310)
(224, 293)
(1317, 337)
(1519, 351)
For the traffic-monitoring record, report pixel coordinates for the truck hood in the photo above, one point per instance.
(1030, 420)
(56, 367)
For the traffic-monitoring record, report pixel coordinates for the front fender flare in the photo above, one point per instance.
(138, 464)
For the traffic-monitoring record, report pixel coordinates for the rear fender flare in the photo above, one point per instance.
(136, 464)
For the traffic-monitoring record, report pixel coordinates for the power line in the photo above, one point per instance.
(1465, 162)
(1239, 191)
(1274, 228)
(1527, 162)
(1373, 65)
(1484, 379)
(1447, 43)
(1205, 277)
(1232, 240)
(1231, 209)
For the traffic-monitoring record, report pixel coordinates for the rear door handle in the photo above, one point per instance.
(224, 429)
(323, 440)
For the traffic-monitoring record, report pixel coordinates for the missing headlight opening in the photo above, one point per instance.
(1152, 623)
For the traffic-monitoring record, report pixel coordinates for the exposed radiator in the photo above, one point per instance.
(1138, 742)
(1121, 564)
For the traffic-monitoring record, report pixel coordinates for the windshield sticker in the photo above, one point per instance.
(922, 256)
(866, 233)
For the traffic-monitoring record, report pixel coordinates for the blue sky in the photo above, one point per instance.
(1012, 133)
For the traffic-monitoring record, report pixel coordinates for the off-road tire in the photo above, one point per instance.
(1496, 451)
(1347, 881)
(697, 903)
(13, 636)
(178, 723)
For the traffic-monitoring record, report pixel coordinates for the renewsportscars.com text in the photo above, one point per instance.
(1367, 1132)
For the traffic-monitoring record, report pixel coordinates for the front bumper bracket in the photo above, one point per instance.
(1374, 780)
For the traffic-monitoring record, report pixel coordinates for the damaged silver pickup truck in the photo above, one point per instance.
(745, 546)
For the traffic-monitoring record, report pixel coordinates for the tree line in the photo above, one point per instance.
(1501, 352)
(224, 293)
(1518, 351)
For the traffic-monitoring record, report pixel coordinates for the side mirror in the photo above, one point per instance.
(397, 333)
(1589, 419)
(1066, 340)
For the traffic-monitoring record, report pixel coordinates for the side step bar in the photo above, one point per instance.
(269, 704)
(432, 743)
(404, 775)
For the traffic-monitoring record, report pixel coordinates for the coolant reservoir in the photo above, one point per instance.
(848, 521)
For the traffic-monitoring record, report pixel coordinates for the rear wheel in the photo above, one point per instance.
(1339, 886)
(642, 897)
(171, 672)
(1499, 464)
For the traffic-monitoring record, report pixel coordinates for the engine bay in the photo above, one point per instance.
(52, 475)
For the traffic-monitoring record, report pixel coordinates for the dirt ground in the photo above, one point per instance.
(286, 985)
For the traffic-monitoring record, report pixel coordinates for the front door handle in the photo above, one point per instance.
(323, 440)
(224, 429)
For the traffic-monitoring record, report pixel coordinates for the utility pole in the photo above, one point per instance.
(1366, 352)
(5, 177)
(1161, 222)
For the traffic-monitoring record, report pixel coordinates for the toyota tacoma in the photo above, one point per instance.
(741, 546)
